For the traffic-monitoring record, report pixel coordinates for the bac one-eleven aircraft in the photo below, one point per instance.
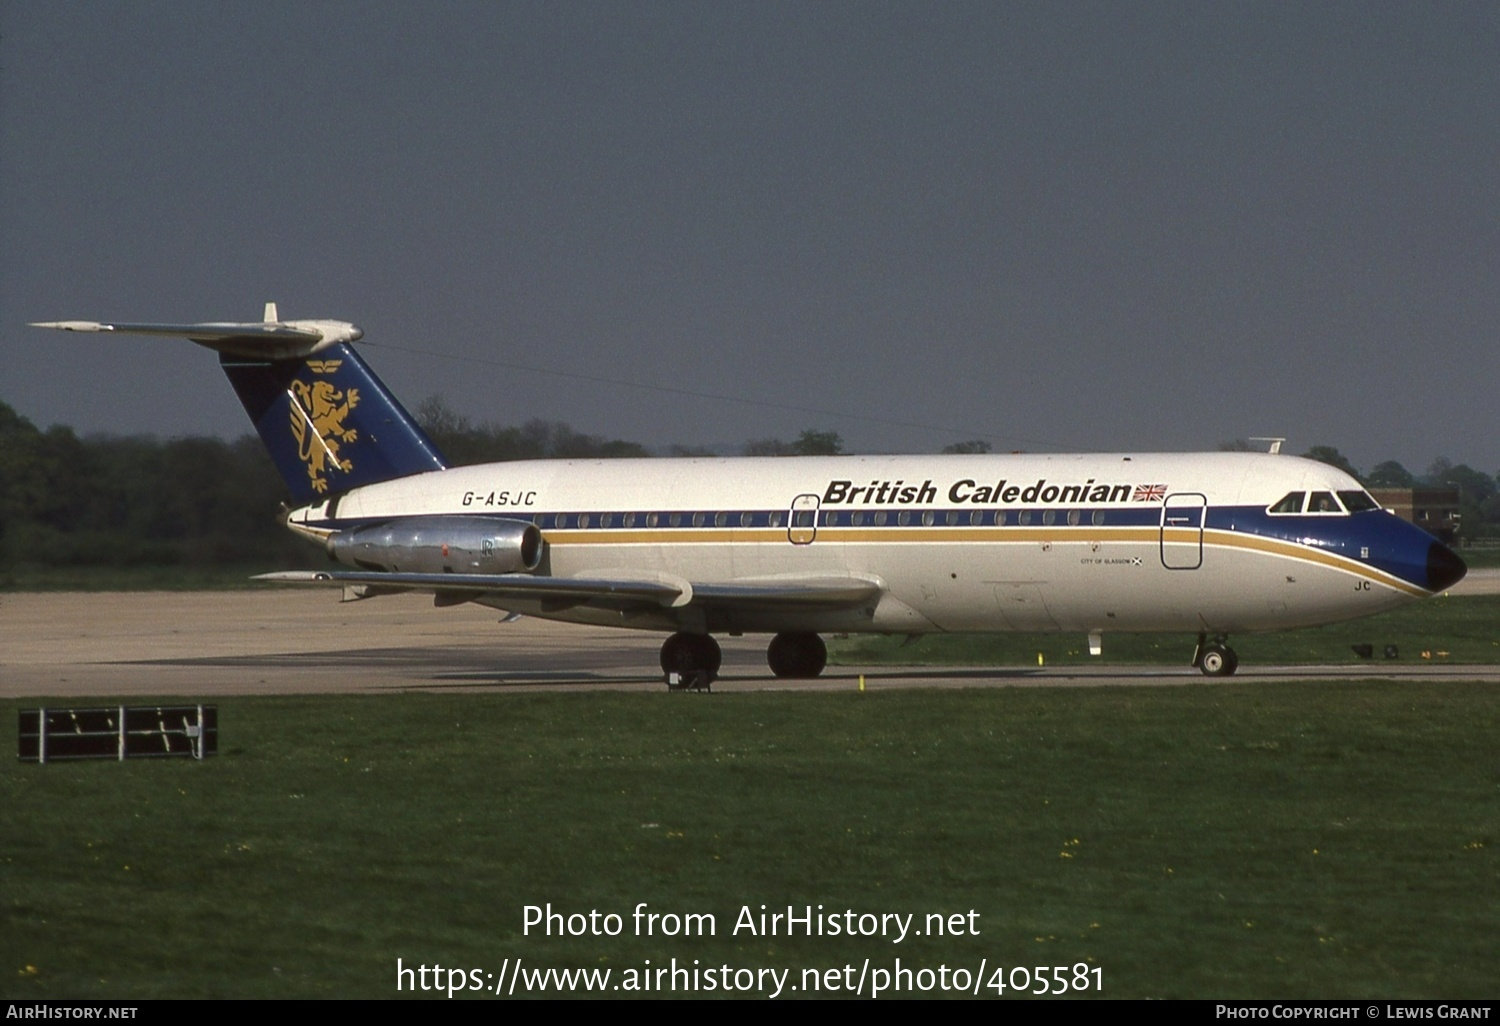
(1207, 544)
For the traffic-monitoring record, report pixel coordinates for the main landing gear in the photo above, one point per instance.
(691, 661)
(796, 654)
(1216, 659)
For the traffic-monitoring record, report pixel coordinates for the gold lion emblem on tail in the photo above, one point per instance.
(318, 412)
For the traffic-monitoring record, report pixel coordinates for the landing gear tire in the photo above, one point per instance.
(694, 659)
(797, 655)
(1218, 661)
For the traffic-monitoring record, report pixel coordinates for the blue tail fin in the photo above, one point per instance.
(328, 422)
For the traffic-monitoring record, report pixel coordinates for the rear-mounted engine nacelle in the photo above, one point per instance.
(438, 545)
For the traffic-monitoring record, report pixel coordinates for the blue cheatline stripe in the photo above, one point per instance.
(911, 519)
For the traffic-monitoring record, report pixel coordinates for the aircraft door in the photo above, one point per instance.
(802, 521)
(1182, 531)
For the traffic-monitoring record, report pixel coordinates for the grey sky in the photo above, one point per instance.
(1092, 226)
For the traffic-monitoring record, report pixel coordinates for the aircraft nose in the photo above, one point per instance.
(1444, 568)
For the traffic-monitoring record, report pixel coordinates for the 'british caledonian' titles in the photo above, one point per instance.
(1002, 492)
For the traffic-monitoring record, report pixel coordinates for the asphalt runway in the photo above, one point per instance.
(302, 641)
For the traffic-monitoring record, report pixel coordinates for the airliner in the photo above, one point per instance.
(1205, 544)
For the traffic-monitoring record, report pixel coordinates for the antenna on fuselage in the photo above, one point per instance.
(1275, 444)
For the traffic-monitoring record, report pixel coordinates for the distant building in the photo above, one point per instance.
(1434, 510)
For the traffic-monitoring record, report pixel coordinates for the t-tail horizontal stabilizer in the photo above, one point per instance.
(326, 419)
(269, 339)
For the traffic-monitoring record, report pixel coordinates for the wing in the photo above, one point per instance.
(558, 593)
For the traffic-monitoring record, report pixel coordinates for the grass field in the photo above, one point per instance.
(1198, 841)
(1485, 557)
(1455, 630)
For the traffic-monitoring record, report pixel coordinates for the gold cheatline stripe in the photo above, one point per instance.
(1305, 554)
(1013, 535)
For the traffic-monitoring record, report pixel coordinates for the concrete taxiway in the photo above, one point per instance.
(285, 641)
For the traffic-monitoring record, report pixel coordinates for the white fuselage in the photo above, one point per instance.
(1159, 542)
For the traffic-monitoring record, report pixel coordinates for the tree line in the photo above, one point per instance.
(199, 502)
(112, 501)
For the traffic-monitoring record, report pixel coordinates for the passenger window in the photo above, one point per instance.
(1290, 503)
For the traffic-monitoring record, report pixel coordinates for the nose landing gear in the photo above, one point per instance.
(1216, 659)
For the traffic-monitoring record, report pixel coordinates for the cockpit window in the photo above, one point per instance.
(1358, 502)
(1290, 503)
(1323, 502)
